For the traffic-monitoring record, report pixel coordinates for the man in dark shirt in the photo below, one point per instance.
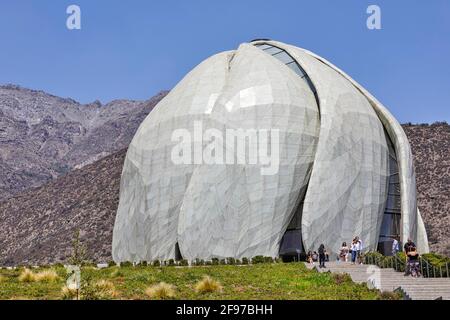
(408, 246)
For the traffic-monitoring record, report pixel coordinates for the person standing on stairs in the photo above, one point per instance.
(358, 247)
(353, 248)
(395, 246)
(408, 247)
(322, 256)
(343, 253)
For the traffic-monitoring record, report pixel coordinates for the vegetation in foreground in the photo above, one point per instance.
(260, 281)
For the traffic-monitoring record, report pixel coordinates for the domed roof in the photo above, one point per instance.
(256, 142)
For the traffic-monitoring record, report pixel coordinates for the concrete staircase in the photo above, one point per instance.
(389, 280)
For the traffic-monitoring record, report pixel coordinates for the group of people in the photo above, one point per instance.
(320, 255)
(354, 250)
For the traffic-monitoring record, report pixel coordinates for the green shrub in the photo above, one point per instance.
(222, 262)
(111, 264)
(126, 264)
(215, 261)
(258, 259)
(268, 259)
(372, 257)
(231, 261)
(435, 265)
(183, 263)
(199, 262)
(400, 262)
(244, 260)
(388, 295)
(238, 262)
(436, 260)
(156, 263)
(432, 264)
(208, 263)
(170, 263)
(341, 278)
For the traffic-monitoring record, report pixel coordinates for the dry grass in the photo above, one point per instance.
(207, 284)
(106, 289)
(27, 276)
(44, 276)
(20, 298)
(161, 291)
(68, 293)
(2, 278)
(47, 276)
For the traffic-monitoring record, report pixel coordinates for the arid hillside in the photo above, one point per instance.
(38, 225)
(431, 149)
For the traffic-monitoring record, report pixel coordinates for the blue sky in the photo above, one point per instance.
(133, 49)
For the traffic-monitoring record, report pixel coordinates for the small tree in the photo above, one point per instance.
(79, 251)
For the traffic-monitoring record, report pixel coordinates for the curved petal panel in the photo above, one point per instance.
(237, 210)
(152, 185)
(409, 220)
(347, 190)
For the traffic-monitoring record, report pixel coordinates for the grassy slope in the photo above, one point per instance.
(263, 281)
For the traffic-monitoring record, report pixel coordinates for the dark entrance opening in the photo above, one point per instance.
(291, 246)
(178, 255)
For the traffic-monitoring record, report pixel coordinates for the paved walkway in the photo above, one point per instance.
(388, 280)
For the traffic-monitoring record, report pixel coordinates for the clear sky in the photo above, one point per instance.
(133, 49)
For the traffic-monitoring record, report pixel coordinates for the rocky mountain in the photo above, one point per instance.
(431, 150)
(43, 136)
(37, 225)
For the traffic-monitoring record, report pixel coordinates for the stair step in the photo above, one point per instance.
(416, 288)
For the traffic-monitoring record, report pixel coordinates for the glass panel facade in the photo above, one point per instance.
(290, 62)
(390, 226)
(273, 51)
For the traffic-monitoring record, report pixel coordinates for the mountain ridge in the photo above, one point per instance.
(43, 136)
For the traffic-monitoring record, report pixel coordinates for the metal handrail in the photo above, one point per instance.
(426, 268)
(434, 269)
(399, 264)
